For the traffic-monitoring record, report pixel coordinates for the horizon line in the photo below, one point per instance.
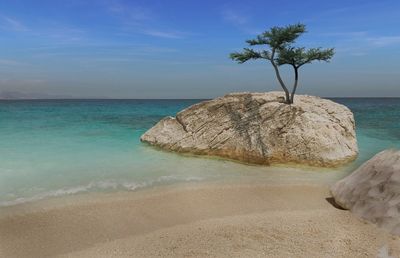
(22, 99)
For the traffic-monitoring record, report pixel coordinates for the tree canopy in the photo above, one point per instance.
(281, 51)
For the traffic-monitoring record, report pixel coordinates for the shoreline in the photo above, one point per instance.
(192, 219)
(102, 197)
(271, 175)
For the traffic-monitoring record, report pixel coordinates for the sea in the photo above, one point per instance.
(54, 148)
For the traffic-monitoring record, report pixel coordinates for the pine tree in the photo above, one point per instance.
(281, 51)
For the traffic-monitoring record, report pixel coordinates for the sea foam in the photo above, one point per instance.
(99, 186)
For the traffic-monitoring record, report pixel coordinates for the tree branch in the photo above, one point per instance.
(246, 55)
(296, 79)
(279, 77)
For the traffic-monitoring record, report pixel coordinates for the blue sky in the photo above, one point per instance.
(179, 49)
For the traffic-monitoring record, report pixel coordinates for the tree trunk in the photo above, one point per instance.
(279, 78)
(296, 79)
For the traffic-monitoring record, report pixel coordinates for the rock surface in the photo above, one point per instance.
(258, 128)
(373, 191)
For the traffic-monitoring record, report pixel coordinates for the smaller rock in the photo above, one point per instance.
(281, 99)
(372, 192)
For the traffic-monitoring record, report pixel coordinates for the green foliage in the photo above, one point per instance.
(281, 51)
(280, 40)
(248, 54)
(300, 56)
(278, 37)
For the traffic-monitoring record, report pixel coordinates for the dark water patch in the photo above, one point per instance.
(130, 121)
(375, 117)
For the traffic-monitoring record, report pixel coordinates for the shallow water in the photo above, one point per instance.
(59, 147)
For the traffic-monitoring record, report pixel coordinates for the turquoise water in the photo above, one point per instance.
(60, 147)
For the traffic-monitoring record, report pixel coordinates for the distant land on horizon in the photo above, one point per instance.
(16, 95)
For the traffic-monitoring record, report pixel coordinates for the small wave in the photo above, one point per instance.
(99, 186)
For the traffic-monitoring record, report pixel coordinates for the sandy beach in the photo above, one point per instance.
(192, 220)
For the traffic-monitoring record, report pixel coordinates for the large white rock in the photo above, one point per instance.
(259, 128)
(373, 191)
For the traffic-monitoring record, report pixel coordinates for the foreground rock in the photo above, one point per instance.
(373, 191)
(258, 128)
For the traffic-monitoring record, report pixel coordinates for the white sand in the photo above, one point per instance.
(213, 220)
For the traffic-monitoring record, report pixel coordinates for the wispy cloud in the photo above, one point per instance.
(8, 62)
(234, 18)
(63, 34)
(140, 19)
(347, 34)
(360, 43)
(239, 20)
(354, 53)
(126, 48)
(12, 24)
(129, 13)
(164, 34)
(52, 30)
(92, 52)
(328, 14)
(383, 41)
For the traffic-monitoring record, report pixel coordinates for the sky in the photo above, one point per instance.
(180, 48)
